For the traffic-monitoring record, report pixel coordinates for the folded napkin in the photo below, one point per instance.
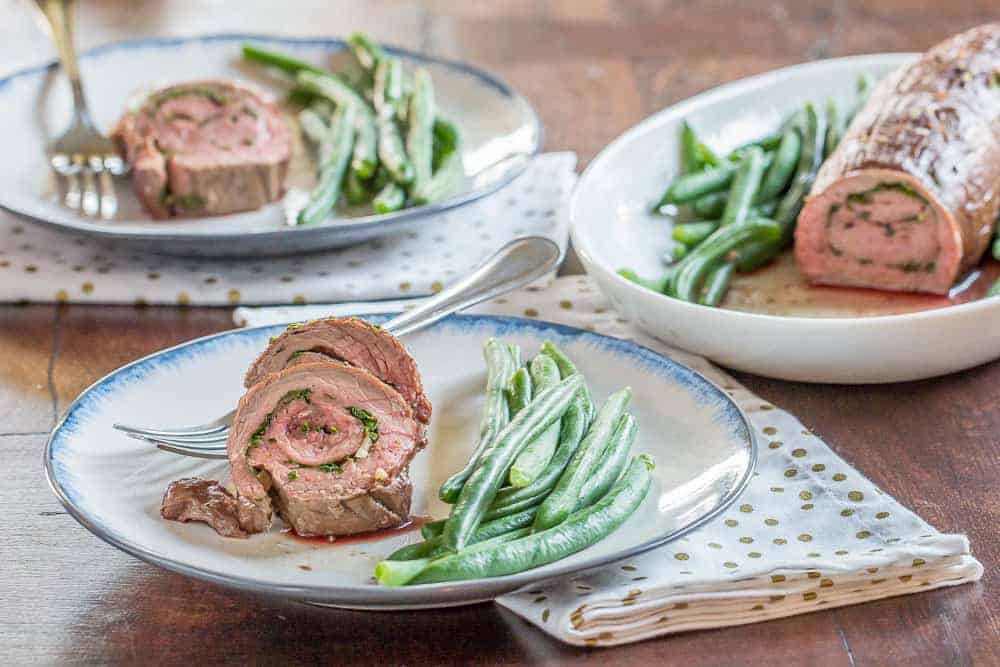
(810, 532)
(38, 264)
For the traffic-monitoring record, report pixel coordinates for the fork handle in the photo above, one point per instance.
(514, 265)
(59, 18)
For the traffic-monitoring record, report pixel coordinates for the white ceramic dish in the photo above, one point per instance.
(113, 485)
(500, 133)
(612, 228)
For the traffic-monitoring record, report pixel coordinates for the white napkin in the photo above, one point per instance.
(810, 532)
(38, 264)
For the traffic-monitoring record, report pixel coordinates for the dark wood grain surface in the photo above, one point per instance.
(593, 69)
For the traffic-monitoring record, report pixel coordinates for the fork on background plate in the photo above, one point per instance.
(86, 160)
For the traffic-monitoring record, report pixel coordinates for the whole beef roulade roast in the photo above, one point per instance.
(319, 438)
(909, 198)
(205, 148)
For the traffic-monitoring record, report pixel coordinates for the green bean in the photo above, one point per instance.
(810, 159)
(661, 285)
(390, 198)
(367, 52)
(420, 133)
(364, 161)
(499, 369)
(786, 157)
(281, 61)
(709, 207)
(518, 391)
(707, 155)
(754, 255)
(811, 125)
(388, 87)
(573, 426)
(614, 460)
(716, 283)
(744, 187)
(334, 155)
(676, 253)
(693, 233)
(446, 142)
(313, 125)
(768, 142)
(486, 531)
(834, 127)
(689, 278)
(995, 250)
(482, 486)
(561, 502)
(580, 530)
(688, 187)
(566, 369)
(690, 159)
(530, 463)
(400, 572)
(765, 210)
(995, 290)
(388, 101)
(355, 191)
(445, 181)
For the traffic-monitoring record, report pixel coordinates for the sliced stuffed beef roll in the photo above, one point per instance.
(329, 445)
(908, 199)
(352, 341)
(205, 148)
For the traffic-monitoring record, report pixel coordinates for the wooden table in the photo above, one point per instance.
(593, 69)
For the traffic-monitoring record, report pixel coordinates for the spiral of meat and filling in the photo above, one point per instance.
(329, 444)
(908, 199)
(352, 341)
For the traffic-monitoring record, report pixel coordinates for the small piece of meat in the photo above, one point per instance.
(205, 500)
(909, 198)
(330, 443)
(205, 148)
(353, 341)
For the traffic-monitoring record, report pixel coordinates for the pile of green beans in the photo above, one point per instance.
(735, 214)
(550, 476)
(400, 151)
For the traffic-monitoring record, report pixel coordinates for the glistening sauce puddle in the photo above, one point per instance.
(414, 523)
(779, 289)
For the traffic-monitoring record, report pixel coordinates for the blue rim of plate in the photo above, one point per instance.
(520, 161)
(403, 596)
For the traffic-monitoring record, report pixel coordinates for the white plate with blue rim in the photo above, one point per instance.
(702, 443)
(500, 134)
(772, 322)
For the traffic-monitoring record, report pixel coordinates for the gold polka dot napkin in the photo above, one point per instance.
(809, 533)
(40, 265)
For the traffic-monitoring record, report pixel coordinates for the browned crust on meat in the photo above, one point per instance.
(937, 120)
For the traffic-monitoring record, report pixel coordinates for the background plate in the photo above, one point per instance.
(500, 133)
(703, 446)
(612, 228)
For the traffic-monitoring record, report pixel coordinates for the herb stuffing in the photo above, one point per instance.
(368, 421)
(292, 475)
(330, 467)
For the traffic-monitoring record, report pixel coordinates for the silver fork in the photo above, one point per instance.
(86, 159)
(514, 265)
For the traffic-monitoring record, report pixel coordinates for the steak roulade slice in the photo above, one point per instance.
(330, 444)
(909, 198)
(205, 148)
(352, 341)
